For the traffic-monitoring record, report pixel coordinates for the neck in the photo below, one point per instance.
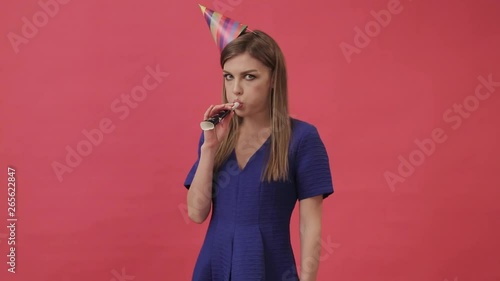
(256, 125)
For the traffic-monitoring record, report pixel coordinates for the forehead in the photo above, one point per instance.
(243, 62)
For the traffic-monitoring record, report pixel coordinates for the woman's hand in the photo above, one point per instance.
(213, 138)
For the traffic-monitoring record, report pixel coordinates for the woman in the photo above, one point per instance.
(253, 167)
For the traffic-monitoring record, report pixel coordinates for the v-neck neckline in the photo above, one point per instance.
(251, 157)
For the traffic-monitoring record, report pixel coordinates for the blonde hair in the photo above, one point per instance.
(262, 47)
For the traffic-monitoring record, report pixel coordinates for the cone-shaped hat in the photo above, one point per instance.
(223, 29)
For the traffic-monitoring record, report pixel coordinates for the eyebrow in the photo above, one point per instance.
(244, 72)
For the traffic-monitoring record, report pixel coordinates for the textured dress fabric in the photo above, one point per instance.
(248, 237)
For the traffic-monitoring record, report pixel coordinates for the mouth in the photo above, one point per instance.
(240, 103)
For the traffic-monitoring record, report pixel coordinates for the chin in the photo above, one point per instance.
(239, 113)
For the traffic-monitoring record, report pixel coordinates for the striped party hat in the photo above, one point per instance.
(223, 29)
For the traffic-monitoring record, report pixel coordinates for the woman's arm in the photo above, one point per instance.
(310, 237)
(199, 196)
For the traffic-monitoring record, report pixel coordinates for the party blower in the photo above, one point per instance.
(210, 123)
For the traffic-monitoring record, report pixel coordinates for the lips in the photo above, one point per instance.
(238, 101)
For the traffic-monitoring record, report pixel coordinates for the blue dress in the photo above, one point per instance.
(248, 237)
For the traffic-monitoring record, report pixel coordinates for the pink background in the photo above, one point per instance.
(122, 210)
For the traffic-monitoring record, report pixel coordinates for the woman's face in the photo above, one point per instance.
(247, 81)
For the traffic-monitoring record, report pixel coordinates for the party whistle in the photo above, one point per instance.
(209, 124)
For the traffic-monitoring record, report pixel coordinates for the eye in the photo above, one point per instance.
(249, 77)
(228, 76)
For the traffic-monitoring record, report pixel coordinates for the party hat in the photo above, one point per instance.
(223, 29)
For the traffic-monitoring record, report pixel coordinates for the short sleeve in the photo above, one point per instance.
(313, 175)
(190, 175)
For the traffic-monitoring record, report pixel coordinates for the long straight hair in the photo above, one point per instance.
(262, 47)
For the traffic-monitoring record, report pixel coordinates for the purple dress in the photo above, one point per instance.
(249, 233)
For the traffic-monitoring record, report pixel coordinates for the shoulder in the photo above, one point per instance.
(302, 129)
(308, 155)
(304, 136)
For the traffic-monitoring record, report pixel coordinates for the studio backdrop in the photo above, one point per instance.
(100, 105)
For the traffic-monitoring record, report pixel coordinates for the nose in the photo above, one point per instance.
(237, 90)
